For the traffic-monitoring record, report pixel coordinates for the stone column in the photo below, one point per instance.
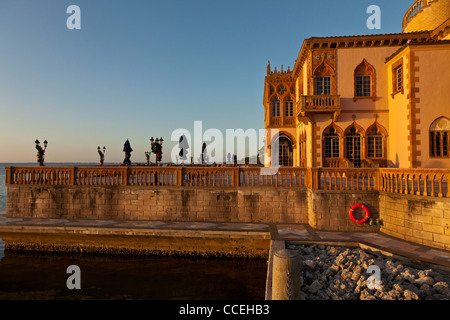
(286, 277)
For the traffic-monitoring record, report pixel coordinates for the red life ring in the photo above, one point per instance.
(359, 205)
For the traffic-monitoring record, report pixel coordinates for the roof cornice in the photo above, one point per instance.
(356, 41)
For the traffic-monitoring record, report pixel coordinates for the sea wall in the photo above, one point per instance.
(244, 204)
(419, 219)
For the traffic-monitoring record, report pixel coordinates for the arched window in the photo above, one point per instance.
(322, 79)
(364, 80)
(353, 146)
(276, 107)
(289, 107)
(375, 143)
(331, 143)
(284, 157)
(439, 138)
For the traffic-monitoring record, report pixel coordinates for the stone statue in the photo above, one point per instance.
(127, 149)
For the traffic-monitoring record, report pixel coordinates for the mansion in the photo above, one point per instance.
(366, 101)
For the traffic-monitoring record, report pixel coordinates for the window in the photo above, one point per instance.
(399, 78)
(276, 107)
(439, 138)
(364, 80)
(323, 85)
(362, 86)
(374, 143)
(353, 147)
(289, 108)
(331, 143)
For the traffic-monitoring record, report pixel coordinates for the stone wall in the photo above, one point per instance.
(419, 219)
(329, 210)
(423, 220)
(243, 204)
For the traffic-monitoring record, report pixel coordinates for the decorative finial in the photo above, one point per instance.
(281, 68)
(268, 67)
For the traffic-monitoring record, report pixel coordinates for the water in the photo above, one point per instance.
(43, 276)
(32, 275)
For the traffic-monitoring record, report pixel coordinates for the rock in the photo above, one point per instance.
(409, 295)
(315, 286)
(394, 294)
(310, 264)
(308, 250)
(339, 273)
(346, 275)
(397, 287)
(424, 280)
(425, 291)
(438, 296)
(441, 287)
(366, 296)
(408, 275)
(410, 287)
(333, 251)
(309, 277)
(322, 294)
(387, 296)
(355, 276)
(334, 268)
(341, 259)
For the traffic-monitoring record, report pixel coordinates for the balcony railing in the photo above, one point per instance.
(417, 7)
(282, 121)
(423, 182)
(319, 103)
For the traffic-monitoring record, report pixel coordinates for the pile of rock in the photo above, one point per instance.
(340, 273)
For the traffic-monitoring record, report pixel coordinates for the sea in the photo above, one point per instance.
(45, 276)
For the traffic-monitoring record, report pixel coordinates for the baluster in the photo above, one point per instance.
(432, 186)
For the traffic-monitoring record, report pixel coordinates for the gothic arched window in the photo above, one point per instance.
(331, 143)
(375, 144)
(439, 138)
(276, 107)
(289, 107)
(364, 80)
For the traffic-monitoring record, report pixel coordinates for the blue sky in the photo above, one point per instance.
(139, 68)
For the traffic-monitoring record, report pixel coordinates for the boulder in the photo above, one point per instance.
(315, 286)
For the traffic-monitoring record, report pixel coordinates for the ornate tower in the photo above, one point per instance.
(425, 15)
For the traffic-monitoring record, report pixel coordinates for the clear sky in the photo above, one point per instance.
(139, 68)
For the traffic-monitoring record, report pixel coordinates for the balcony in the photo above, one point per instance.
(319, 104)
(282, 122)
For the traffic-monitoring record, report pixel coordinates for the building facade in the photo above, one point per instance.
(366, 101)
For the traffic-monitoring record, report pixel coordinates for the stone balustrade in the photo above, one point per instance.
(424, 182)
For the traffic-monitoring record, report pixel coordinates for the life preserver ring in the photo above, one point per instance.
(363, 220)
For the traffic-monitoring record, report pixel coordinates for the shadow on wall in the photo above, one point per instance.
(395, 164)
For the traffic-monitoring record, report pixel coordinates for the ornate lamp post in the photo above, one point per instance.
(157, 148)
(102, 154)
(41, 152)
